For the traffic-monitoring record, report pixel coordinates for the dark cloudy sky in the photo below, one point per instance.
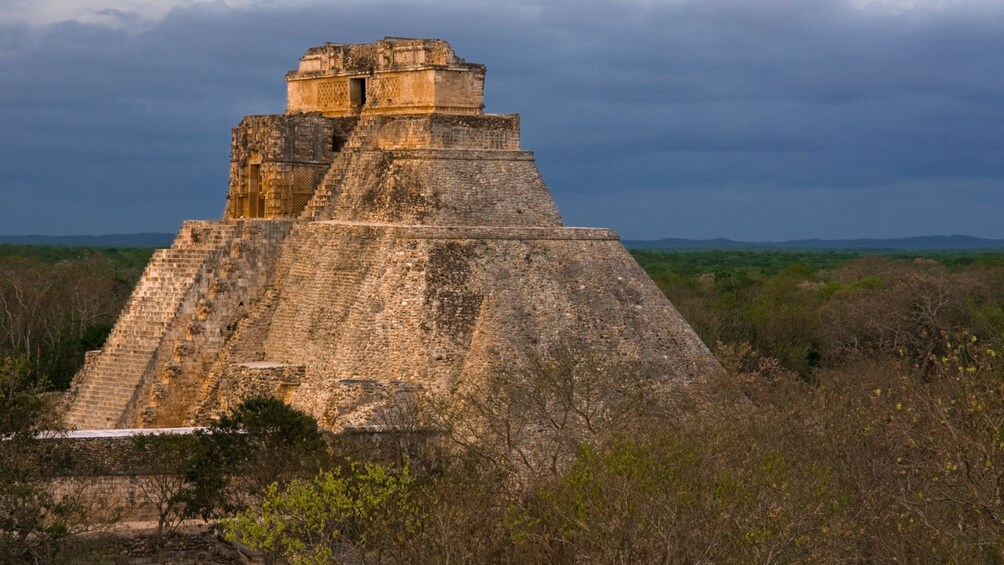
(749, 119)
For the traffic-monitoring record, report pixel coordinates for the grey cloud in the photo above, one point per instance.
(734, 118)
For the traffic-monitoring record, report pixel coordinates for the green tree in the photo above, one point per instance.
(158, 463)
(33, 519)
(259, 442)
(352, 515)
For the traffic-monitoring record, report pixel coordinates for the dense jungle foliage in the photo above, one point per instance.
(813, 311)
(858, 416)
(58, 302)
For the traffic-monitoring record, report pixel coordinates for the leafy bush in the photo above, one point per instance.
(258, 443)
(350, 516)
(33, 519)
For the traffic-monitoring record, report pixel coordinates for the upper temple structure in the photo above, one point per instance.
(382, 238)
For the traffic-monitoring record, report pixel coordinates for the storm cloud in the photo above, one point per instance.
(761, 120)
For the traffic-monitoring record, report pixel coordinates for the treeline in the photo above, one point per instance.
(58, 302)
(816, 311)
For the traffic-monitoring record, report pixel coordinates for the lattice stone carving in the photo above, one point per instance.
(326, 93)
(304, 182)
(297, 203)
(332, 94)
(390, 88)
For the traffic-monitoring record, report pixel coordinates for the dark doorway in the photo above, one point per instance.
(256, 200)
(337, 143)
(357, 91)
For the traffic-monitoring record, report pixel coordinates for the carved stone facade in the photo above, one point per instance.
(392, 76)
(277, 161)
(371, 255)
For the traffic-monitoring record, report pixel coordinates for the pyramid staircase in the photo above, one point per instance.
(333, 178)
(230, 281)
(109, 383)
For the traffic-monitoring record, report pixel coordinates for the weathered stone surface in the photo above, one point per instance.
(436, 306)
(242, 381)
(427, 253)
(393, 75)
(187, 302)
(277, 161)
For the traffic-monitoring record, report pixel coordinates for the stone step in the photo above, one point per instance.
(335, 175)
(111, 382)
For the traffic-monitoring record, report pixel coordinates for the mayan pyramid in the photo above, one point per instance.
(382, 236)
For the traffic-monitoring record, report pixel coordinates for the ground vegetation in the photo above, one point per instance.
(859, 416)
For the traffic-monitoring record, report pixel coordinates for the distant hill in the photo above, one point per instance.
(110, 240)
(934, 242)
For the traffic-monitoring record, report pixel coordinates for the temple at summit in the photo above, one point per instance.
(383, 238)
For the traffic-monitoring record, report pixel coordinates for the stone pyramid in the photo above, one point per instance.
(381, 237)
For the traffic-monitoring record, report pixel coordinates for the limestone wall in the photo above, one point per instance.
(242, 381)
(444, 187)
(433, 306)
(108, 499)
(99, 474)
(422, 91)
(446, 170)
(276, 162)
(227, 287)
(106, 386)
(483, 132)
(331, 183)
(391, 76)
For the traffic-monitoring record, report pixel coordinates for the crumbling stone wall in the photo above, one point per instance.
(388, 171)
(483, 132)
(109, 499)
(444, 187)
(243, 381)
(277, 162)
(108, 383)
(439, 169)
(434, 306)
(99, 475)
(226, 288)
